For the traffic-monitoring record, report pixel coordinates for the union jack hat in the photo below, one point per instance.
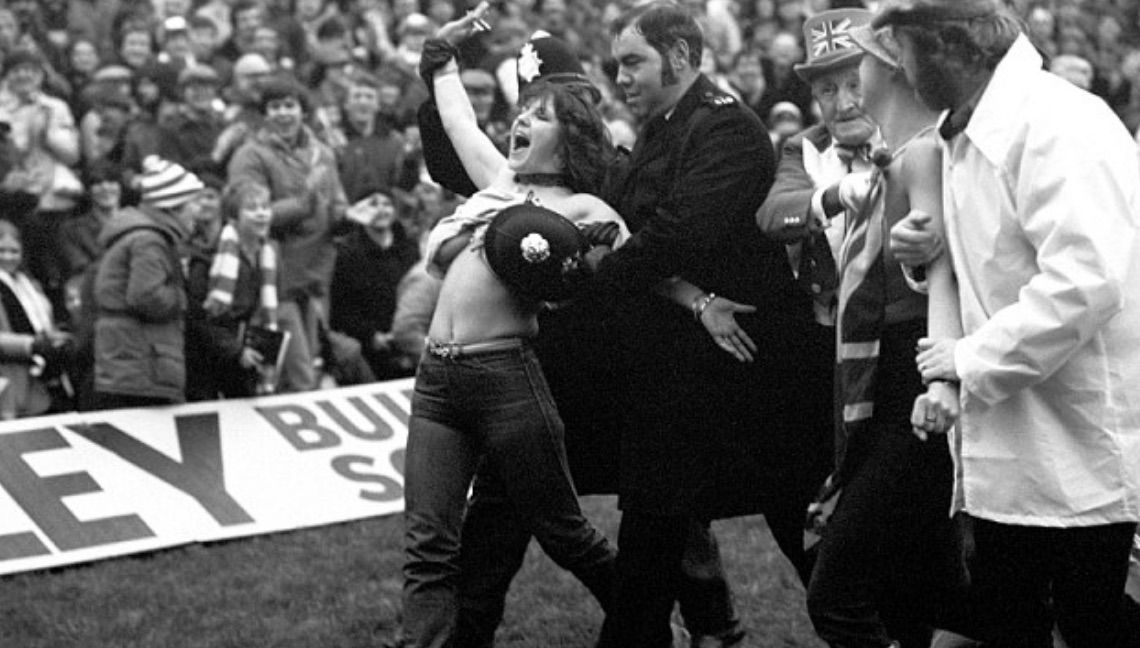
(827, 38)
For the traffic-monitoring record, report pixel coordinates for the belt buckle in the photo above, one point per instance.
(445, 350)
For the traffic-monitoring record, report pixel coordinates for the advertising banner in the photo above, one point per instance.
(84, 486)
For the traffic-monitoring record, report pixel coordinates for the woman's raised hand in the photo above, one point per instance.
(456, 31)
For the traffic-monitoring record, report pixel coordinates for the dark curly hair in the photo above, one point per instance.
(282, 86)
(663, 24)
(585, 147)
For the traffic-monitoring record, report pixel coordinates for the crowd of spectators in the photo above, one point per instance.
(316, 102)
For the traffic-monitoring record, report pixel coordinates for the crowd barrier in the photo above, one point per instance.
(80, 487)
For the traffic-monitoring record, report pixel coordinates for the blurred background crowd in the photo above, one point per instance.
(315, 101)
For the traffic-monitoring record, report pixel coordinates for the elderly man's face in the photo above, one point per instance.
(839, 95)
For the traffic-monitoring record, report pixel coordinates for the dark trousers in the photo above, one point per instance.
(887, 568)
(652, 551)
(1025, 579)
(495, 539)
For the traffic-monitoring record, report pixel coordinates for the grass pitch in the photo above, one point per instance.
(339, 587)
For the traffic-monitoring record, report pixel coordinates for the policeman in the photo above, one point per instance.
(706, 437)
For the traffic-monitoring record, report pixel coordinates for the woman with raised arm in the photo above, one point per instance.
(576, 350)
(480, 397)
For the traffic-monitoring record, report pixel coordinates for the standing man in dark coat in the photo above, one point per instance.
(706, 436)
(823, 171)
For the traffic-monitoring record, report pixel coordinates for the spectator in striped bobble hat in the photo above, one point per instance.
(139, 292)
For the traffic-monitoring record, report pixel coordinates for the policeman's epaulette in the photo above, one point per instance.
(718, 99)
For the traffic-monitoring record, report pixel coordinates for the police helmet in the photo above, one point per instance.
(535, 251)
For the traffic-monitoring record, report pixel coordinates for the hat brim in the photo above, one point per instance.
(926, 12)
(864, 36)
(848, 57)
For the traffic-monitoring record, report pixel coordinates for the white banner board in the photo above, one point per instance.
(80, 487)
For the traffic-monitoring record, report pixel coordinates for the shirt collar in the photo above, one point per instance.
(955, 121)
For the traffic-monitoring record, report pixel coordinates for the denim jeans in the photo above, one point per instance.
(493, 408)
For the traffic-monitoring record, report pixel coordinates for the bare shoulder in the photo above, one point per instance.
(583, 207)
(922, 159)
(924, 152)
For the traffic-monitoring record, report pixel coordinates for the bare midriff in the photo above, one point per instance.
(475, 306)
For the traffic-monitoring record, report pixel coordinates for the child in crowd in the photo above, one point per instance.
(230, 292)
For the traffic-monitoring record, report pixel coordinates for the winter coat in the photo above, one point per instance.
(704, 434)
(214, 368)
(140, 300)
(364, 292)
(308, 205)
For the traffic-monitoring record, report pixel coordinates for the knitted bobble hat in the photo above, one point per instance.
(166, 185)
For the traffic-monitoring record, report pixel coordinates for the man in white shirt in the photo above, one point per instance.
(1042, 207)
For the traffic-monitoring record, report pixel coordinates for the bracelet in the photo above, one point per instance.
(700, 304)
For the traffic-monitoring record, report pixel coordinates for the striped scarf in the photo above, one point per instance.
(31, 298)
(859, 324)
(224, 275)
(860, 319)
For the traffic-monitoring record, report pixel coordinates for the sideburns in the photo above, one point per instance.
(668, 76)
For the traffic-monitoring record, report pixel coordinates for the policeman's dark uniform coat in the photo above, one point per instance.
(784, 216)
(706, 435)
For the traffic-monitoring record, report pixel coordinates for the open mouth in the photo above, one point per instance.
(521, 141)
